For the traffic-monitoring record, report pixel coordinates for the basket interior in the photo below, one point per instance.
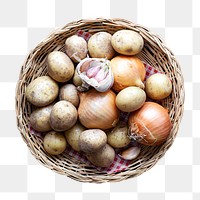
(155, 53)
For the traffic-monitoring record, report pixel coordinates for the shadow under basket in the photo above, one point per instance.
(155, 53)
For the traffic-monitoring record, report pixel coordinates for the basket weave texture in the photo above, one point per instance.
(155, 53)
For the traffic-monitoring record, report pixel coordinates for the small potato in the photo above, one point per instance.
(72, 135)
(42, 91)
(102, 158)
(76, 48)
(39, 118)
(63, 116)
(92, 140)
(54, 143)
(118, 137)
(69, 93)
(158, 86)
(130, 99)
(59, 66)
(127, 42)
(99, 45)
(76, 79)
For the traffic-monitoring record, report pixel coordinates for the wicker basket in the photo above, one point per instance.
(154, 53)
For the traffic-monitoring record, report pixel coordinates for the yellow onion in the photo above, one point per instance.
(98, 109)
(128, 71)
(150, 125)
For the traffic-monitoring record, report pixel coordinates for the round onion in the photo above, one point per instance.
(98, 109)
(150, 125)
(128, 71)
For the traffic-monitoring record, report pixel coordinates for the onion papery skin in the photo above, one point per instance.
(150, 125)
(98, 109)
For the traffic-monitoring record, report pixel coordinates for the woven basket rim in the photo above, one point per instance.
(69, 168)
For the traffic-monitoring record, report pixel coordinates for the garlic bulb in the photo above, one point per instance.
(95, 72)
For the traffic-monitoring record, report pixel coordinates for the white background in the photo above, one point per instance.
(176, 176)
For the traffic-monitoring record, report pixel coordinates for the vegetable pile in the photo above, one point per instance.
(79, 102)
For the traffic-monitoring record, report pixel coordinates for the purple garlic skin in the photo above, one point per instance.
(93, 71)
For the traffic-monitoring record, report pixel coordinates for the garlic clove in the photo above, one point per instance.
(101, 75)
(94, 63)
(130, 153)
(84, 65)
(93, 71)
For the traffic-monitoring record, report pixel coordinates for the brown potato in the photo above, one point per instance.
(127, 42)
(76, 79)
(63, 116)
(72, 135)
(69, 93)
(54, 143)
(102, 158)
(59, 66)
(76, 48)
(158, 86)
(118, 137)
(130, 99)
(42, 91)
(99, 45)
(39, 118)
(92, 140)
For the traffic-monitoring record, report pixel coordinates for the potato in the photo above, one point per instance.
(99, 45)
(39, 118)
(76, 48)
(76, 79)
(72, 135)
(158, 86)
(69, 93)
(42, 91)
(59, 66)
(63, 116)
(92, 140)
(127, 42)
(102, 158)
(130, 99)
(54, 143)
(118, 137)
